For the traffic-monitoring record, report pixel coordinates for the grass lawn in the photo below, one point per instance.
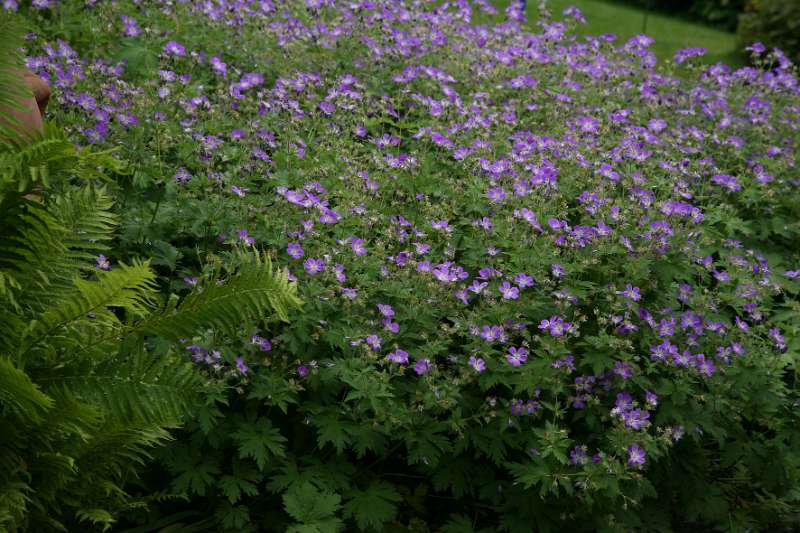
(626, 21)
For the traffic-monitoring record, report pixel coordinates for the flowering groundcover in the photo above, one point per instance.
(548, 283)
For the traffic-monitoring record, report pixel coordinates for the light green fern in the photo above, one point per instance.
(83, 397)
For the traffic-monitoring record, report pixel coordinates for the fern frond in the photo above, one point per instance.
(139, 388)
(49, 156)
(86, 216)
(27, 162)
(14, 502)
(33, 253)
(19, 396)
(7, 286)
(12, 89)
(255, 291)
(121, 446)
(130, 288)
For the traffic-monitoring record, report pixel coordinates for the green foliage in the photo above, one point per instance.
(374, 506)
(89, 384)
(302, 421)
(11, 91)
(313, 510)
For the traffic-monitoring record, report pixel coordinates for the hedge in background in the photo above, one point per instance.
(776, 24)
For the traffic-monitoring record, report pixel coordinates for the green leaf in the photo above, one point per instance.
(458, 524)
(197, 477)
(314, 510)
(235, 518)
(260, 440)
(330, 430)
(233, 487)
(529, 474)
(373, 507)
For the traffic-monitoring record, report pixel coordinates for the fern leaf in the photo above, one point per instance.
(19, 396)
(86, 216)
(12, 89)
(155, 390)
(254, 291)
(131, 288)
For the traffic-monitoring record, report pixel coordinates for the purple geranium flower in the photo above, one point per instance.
(175, 48)
(314, 266)
(398, 356)
(523, 280)
(241, 366)
(386, 310)
(726, 182)
(631, 292)
(423, 366)
(102, 262)
(555, 325)
(517, 356)
(294, 250)
(358, 246)
(636, 455)
(508, 291)
(477, 363)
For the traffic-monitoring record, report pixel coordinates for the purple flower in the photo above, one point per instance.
(241, 366)
(477, 286)
(492, 333)
(555, 325)
(386, 310)
(650, 398)
(302, 371)
(102, 262)
(508, 291)
(496, 194)
(441, 224)
(182, 176)
(636, 455)
(245, 237)
(578, 455)
(264, 344)
(219, 66)
(131, 28)
(623, 370)
(373, 341)
(477, 363)
(327, 107)
(174, 48)
(631, 292)
(726, 182)
(705, 367)
(314, 266)
(423, 366)
(523, 280)
(358, 246)
(350, 293)
(398, 356)
(240, 192)
(687, 53)
(294, 250)
(636, 418)
(517, 356)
